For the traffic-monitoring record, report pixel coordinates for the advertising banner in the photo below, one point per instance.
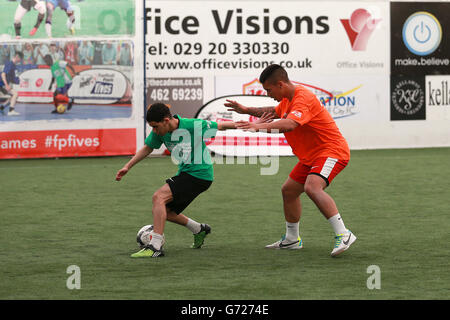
(419, 38)
(229, 37)
(419, 47)
(75, 84)
(208, 51)
(61, 143)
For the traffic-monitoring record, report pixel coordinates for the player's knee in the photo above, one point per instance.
(158, 198)
(289, 192)
(40, 7)
(312, 189)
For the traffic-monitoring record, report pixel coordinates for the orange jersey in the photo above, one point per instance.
(317, 134)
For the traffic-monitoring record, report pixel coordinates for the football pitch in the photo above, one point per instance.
(60, 213)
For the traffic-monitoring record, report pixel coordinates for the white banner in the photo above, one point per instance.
(232, 37)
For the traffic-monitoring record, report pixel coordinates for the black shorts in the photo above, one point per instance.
(185, 188)
(4, 91)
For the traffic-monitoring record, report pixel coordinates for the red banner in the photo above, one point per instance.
(67, 143)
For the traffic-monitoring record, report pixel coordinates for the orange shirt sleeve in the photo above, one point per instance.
(300, 110)
(278, 109)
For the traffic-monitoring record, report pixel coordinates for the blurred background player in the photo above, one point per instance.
(8, 77)
(67, 8)
(24, 7)
(63, 77)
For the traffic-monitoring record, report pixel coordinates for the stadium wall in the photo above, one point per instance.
(381, 68)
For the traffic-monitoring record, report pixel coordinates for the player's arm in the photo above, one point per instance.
(224, 125)
(257, 112)
(72, 69)
(280, 126)
(7, 86)
(140, 155)
(51, 83)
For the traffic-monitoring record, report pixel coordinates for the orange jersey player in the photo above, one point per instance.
(318, 144)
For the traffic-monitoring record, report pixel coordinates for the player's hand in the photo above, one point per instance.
(235, 106)
(267, 117)
(247, 126)
(121, 173)
(8, 87)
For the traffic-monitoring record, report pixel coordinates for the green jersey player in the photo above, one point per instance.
(185, 139)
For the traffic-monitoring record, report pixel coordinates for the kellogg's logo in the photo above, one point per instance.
(359, 28)
(407, 100)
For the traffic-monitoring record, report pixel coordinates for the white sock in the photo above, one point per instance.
(194, 226)
(292, 232)
(156, 240)
(48, 29)
(338, 224)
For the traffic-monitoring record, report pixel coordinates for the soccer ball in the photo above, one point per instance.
(61, 108)
(143, 236)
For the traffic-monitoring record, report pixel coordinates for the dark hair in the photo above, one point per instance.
(157, 112)
(48, 60)
(20, 54)
(274, 73)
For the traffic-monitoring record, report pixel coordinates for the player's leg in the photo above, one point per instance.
(183, 220)
(6, 97)
(291, 190)
(12, 103)
(41, 9)
(48, 20)
(315, 189)
(58, 98)
(199, 230)
(69, 99)
(20, 12)
(159, 200)
(66, 6)
(185, 188)
(323, 172)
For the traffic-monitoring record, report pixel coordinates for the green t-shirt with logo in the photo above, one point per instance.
(60, 73)
(187, 146)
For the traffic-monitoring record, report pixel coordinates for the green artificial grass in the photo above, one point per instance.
(58, 213)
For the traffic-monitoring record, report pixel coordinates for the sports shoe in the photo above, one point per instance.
(72, 30)
(13, 113)
(33, 31)
(283, 244)
(342, 242)
(148, 252)
(69, 105)
(199, 237)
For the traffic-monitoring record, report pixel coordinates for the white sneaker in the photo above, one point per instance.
(343, 242)
(13, 113)
(283, 244)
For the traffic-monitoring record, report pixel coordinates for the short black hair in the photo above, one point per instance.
(157, 112)
(48, 60)
(20, 54)
(273, 73)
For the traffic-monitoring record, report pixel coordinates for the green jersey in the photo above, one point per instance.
(187, 146)
(60, 73)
